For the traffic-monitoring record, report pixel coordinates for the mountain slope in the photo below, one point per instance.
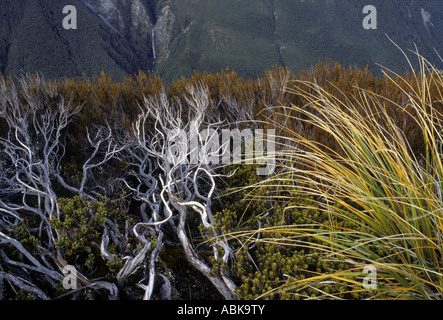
(249, 36)
(33, 40)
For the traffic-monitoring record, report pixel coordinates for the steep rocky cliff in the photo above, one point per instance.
(133, 19)
(174, 37)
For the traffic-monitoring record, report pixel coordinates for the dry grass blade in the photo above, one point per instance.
(368, 174)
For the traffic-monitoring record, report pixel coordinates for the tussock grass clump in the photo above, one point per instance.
(367, 174)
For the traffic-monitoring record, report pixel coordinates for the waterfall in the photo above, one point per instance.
(153, 44)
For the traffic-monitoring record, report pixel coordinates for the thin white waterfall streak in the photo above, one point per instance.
(153, 44)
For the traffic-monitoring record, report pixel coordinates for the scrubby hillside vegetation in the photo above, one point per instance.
(88, 180)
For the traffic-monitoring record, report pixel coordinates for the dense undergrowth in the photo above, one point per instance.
(293, 234)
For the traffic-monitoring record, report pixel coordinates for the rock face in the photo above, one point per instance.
(148, 32)
(130, 18)
(163, 32)
(174, 37)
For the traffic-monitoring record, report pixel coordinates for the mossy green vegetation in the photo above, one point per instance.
(80, 222)
(269, 256)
